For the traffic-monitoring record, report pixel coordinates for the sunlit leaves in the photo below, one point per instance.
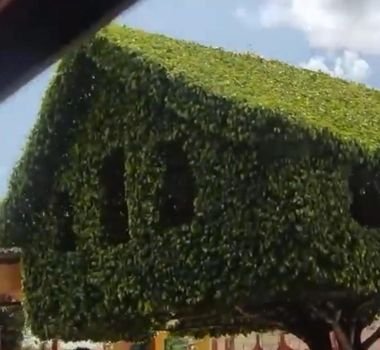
(270, 150)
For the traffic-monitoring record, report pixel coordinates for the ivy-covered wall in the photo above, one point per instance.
(165, 180)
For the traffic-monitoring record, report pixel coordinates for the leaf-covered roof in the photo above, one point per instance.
(350, 111)
(274, 158)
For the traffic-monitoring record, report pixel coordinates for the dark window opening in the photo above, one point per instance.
(365, 190)
(114, 210)
(176, 203)
(65, 240)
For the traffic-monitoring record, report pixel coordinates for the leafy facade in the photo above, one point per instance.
(166, 180)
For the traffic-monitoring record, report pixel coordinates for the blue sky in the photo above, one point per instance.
(340, 37)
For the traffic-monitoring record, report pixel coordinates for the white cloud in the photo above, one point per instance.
(349, 27)
(329, 24)
(348, 66)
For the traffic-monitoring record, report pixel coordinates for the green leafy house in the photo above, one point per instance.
(166, 180)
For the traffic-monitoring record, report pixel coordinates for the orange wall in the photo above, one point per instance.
(203, 344)
(121, 345)
(159, 340)
(10, 280)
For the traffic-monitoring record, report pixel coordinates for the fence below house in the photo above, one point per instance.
(164, 341)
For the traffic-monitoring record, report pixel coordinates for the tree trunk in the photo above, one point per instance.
(314, 333)
(357, 337)
(319, 341)
(353, 333)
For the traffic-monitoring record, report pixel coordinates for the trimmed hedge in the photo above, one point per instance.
(165, 180)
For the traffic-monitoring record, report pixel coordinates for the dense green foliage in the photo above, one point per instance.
(167, 180)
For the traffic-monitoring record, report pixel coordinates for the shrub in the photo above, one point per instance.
(166, 180)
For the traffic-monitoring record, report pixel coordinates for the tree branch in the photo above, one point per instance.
(245, 313)
(366, 305)
(335, 325)
(371, 339)
(259, 317)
